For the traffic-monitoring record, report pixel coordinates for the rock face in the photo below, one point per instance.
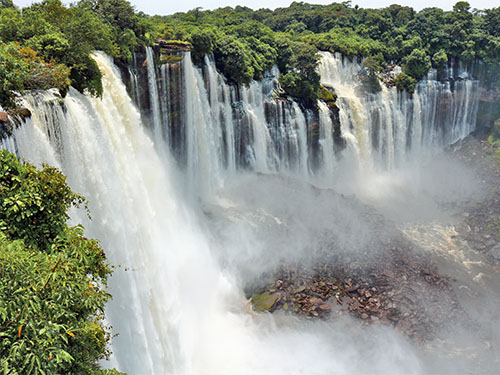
(10, 120)
(4, 117)
(169, 46)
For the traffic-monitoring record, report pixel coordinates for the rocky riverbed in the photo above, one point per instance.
(403, 285)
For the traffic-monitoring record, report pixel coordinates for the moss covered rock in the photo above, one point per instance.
(264, 301)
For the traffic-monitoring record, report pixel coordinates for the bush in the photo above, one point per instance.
(404, 82)
(439, 60)
(232, 59)
(417, 64)
(22, 69)
(203, 42)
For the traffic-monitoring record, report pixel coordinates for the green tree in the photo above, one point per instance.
(22, 69)
(301, 79)
(203, 42)
(6, 4)
(417, 64)
(232, 59)
(404, 82)
(439, 59)
(53, 279)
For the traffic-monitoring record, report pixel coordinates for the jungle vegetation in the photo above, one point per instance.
(244, 42)
(52, 278)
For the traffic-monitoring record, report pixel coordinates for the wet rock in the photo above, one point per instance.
(4, 117)
(495, 252)
(265, 301)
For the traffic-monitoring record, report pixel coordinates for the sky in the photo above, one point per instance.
(171, 6)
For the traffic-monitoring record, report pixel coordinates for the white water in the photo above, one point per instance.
(153, 93)
(389, 127)
(178, 305)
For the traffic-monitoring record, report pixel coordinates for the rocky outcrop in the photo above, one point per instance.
(11, 119)
(169, 46)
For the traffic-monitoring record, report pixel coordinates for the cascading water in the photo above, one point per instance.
(176, 311)
(153, 93)
(178, 303)
(230, 128)
(388, 126)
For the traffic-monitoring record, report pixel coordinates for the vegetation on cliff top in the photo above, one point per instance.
(64, 36)
(396, 34)
(52, 278)
(245, 43)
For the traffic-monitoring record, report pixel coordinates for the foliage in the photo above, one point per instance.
(67, 36)
(22, 69)
(396, 34)
(439, 60)
(53, 279)
(301, 80)
(33, 203)
(405, 82)
(246, 43)
(203, 42)
(232, 58)
(416, 64)
(326, 95)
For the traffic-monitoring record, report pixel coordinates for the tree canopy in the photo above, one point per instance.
(245, 43)
(393, 35)
(52, 278)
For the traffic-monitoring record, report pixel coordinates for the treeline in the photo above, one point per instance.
(244, 43)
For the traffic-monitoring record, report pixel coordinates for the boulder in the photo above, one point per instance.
(4, 117)
(264, 301)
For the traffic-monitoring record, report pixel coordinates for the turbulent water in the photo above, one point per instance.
(157, 192)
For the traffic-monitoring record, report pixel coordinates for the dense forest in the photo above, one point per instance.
(49, 44)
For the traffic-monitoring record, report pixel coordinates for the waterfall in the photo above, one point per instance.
(326, 141)
(387, 127)
(153, 93)
(178, 302)
(103, 148)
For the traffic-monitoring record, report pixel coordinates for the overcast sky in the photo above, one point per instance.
(171, 6)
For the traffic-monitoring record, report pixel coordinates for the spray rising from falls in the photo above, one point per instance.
(176, 310)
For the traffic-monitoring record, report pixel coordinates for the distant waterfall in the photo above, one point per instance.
(389, 125)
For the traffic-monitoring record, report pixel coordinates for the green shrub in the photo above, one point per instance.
(404, 82)
(417, 64)
(22, 69)
(53, 279)
(232, 59)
